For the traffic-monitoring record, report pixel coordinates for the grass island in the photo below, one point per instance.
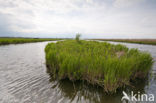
(99, 63)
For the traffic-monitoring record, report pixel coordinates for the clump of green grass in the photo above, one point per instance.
(107, 65)
(4, 41)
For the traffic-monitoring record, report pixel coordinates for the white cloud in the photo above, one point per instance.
(126, 3)
(88, 17)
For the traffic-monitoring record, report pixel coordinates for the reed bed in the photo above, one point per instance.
(138, 41)
(99, 63)
(4, 41)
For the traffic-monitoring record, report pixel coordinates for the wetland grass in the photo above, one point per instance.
(99, 63)
(137, 41)
(4, 41)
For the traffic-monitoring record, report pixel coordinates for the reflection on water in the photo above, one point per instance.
(25, 79)
(82, 92)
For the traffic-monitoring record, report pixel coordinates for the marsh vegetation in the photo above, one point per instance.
(99, 63)
(4, 41)
(138, 41)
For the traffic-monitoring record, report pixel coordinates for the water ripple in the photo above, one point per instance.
(24, 79)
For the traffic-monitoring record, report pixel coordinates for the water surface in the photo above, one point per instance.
(24, 79)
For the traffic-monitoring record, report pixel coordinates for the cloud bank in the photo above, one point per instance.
(92, 18)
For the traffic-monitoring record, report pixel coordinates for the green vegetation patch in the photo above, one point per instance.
(100, 63)
(4, 41)
(138, 41)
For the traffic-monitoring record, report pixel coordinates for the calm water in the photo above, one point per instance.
(25, 79)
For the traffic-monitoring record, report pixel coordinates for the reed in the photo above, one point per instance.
(137, 41)
(4, 41)
(99, 63)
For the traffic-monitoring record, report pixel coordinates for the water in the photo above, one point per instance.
(25, 79)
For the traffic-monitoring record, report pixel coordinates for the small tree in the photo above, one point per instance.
(78, 37)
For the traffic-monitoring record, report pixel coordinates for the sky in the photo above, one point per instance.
(91, 18)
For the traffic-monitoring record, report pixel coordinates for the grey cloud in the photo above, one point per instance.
(103, 18)
(4, 26)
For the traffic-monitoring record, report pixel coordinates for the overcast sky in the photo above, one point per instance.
(91, 18)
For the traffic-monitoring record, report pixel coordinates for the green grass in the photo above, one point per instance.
(4, 41)
(138, 41)
(99, 63)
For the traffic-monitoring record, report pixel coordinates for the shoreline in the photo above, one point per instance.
(135, 41)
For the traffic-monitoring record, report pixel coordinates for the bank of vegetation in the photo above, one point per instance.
(138, 41)
(4, 41)
(99, 63)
